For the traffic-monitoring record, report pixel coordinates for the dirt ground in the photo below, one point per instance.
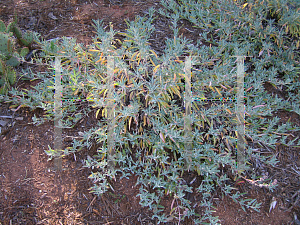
(31, 192)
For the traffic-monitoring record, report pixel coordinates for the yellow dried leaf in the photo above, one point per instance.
(156, 68)
(228, 111)
(154, 53)
(218, 91)
(94, 50)
(152, 62)
(129, 122)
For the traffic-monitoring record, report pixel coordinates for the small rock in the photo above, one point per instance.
(52, 16)
(3, 122)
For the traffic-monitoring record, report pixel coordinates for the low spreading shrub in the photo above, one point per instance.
(147, 126)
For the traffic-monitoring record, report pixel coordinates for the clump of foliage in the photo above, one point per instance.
(148, 96)
(10, 55)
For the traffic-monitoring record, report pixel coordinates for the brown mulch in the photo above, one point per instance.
(32, 192)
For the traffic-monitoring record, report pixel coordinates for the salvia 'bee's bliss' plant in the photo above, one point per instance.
(163, 115)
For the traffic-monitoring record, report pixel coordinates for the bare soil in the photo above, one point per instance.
(32, 192)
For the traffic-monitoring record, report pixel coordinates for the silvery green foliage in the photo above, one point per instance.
(148, 95)
(152, 147)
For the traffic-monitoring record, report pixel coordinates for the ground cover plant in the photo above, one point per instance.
(148, 91)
